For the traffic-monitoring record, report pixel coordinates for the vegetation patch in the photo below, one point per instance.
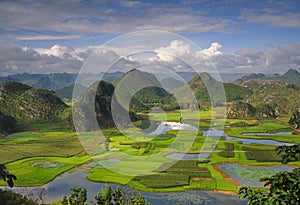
(261, 155)
(48, 165)
(229, 150)
(164, 180)
(102, 163)
(176, 175)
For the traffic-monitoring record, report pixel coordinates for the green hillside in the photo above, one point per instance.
(27, 104)
(67, 92)
(203, 82)
(282, 97)
(145, 90)
(101, 93)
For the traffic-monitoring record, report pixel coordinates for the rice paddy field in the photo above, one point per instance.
(38, 155)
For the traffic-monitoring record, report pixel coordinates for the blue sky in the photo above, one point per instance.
(234, 24)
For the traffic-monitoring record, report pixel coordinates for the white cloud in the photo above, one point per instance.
(212, 51)
(14, 59)
(64, 52)
(176, 48)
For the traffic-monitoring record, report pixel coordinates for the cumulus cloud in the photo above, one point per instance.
(212, 51)
(276, 59)
(175, 49)
(15, 59)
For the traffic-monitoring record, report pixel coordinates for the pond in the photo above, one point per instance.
(61, 185)
(249, 175)
(164, 127)
(266, 133)
(255, 141)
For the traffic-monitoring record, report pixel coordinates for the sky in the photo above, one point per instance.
(238, 36)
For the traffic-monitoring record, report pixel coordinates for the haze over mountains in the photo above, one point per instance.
(57, 81)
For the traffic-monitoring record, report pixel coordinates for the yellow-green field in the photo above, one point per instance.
(38, 155)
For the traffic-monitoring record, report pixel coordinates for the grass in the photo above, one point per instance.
(30, 175)
(55, 151)
(105, 175)
(31, 144)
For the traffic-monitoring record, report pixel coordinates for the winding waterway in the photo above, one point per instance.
(61, 185)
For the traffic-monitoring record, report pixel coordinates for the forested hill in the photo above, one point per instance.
(101, 93)
(27, 104)
(282, 97)
(204, 83)
(145, 89)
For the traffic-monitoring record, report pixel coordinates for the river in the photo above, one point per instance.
(60, 186)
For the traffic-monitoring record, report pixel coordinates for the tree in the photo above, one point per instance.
(6, 176)
(295, 119)
(106, 196)
(78, 197)
(284, 186)
(8, 197)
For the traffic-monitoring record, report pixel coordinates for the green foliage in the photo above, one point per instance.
(283, 98)
(207, 89)
(261, 155)
(6, 176)
(26, 144)
(235, 92)
(229, 150)
(241, 110)
(151, 94)
(289, 153)
(264, 110)
(8, 197)
(295, 119)
(27, 104)
(106, 196)
(78, 197)
(175, 175)
(164, 180)
(284, 186)
(7, 124)
(102, 94)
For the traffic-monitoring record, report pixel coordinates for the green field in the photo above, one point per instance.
(38, 155)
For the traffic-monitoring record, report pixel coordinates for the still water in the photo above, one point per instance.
(60, 186)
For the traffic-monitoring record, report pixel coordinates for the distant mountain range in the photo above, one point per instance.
(57, 81)
(291, 76)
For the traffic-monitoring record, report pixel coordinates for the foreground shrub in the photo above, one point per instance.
(8, 197)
